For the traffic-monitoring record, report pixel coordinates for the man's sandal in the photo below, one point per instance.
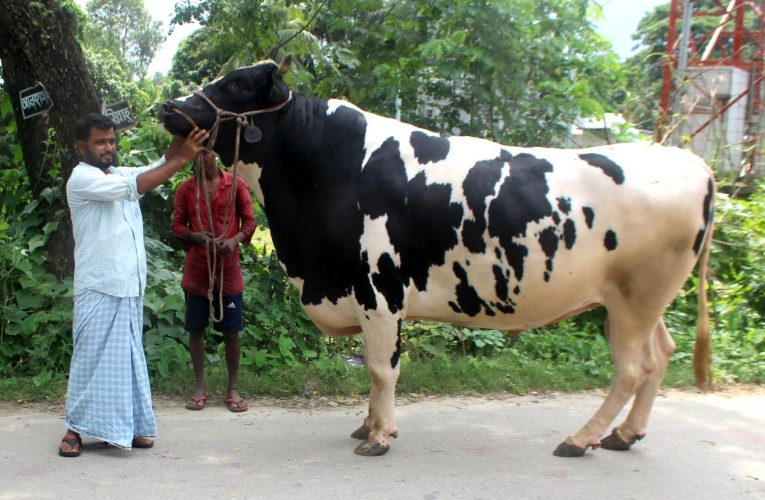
(143, 442)
(75, 447)
(236, 405)
(196, 403)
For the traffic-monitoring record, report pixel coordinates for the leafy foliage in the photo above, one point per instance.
(127, 31)
(467, 67)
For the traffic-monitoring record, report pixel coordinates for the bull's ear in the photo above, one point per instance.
(286, 64)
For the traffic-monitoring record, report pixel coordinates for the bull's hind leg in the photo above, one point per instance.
(382, 348)
(659, 350)
(628, 334)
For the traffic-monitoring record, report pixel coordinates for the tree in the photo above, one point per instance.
(515, 71)
(38, 43)
(126, 29)
(236, 33)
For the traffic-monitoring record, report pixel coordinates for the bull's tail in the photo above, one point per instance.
(702, 353)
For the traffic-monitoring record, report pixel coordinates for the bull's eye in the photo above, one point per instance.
(239, 85)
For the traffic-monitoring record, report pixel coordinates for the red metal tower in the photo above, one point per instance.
(736, 43)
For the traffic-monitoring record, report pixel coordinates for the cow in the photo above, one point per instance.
(376, 222)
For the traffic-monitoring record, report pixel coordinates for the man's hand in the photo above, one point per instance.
(228, 245)
(175, 160)
(198, 238)
(186, 149)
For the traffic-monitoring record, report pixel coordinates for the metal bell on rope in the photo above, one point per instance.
(252, 134)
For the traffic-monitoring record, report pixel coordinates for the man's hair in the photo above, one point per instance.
(88, 121)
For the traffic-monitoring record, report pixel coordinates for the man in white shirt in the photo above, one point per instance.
(108, 397)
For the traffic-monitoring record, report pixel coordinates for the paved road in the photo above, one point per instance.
(698, 447)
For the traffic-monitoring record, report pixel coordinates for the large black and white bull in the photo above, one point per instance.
(377, 221)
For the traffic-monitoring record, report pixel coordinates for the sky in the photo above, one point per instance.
(620, 20)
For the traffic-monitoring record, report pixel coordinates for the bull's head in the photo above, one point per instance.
(247, 94)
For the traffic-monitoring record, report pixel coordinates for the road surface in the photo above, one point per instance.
(698, 447)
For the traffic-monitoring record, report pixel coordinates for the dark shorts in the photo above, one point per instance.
(198, 313)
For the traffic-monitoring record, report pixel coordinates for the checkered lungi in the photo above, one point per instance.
(109, 397)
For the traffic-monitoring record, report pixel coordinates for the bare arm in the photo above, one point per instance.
(178, 154)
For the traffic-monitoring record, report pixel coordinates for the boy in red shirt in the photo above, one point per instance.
(211, 254)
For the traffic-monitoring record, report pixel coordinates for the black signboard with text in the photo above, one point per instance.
(119, 113)
(35, 101)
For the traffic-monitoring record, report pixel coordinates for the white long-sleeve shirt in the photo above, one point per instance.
(109, 252)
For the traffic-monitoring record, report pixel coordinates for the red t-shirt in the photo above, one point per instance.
(187, 219)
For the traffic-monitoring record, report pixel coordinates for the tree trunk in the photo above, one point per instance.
(38, 43)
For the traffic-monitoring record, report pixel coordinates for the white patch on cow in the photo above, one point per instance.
(334, 104)
(375, 240)
(379, 129)
(251, 173)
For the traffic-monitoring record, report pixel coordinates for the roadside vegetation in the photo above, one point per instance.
(283, 354)
(353, 52)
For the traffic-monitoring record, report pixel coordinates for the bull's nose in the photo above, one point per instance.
(166, 109)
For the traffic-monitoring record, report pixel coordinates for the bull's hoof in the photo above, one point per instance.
(569, 450)
(366, 449)
(360, 433)
(616, 443)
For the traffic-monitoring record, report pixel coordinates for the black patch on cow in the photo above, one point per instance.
(468, 300)
(429, 148)
(498, 252)
(610, 240)
(517, 290)
(311, 199)
(607, 165)
(500, 283)
(548, 240)
(383, 181)
(589, 216)
(397, 353)
(432, 221)
(421, 221)
(564, 205)
(556, 218)
(522, 199)
(504, 308)
(480, 182)
(389, 283)
(362, 288)
(569, 233)
(707, 209)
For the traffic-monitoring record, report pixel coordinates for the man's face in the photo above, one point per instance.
(101, 148)
(211, 169)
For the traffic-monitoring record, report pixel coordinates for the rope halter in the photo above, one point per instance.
(252, 134)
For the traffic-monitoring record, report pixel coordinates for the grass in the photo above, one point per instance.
(507, 373)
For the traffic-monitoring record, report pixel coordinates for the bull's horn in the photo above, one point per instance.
(284, 67)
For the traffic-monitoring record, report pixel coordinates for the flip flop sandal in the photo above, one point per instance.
(72, 442)
(196, 403)
(236, 405)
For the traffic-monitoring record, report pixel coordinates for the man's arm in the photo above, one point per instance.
(178, 154)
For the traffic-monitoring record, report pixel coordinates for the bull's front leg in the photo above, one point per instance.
(382, 350)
